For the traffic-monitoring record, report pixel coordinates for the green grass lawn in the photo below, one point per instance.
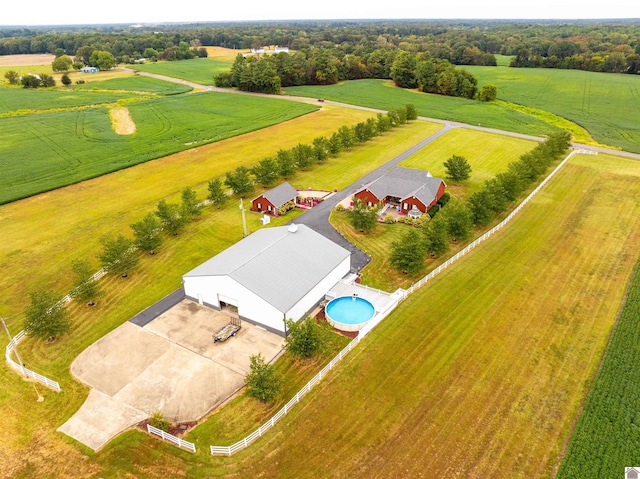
(198, 70)
(606, 104)
(46, 151)
(487, 153)
(140, 84)
(382, 94)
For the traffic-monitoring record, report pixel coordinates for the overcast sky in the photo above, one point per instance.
(46, 12)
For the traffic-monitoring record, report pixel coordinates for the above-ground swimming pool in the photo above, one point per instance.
(349, 313)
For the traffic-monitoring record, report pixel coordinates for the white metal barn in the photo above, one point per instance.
(273, 274)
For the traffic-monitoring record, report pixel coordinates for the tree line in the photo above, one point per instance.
(327, 66)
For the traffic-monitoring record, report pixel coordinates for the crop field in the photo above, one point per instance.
(139, 84)
(487, 153)
(16, 100)
(606, 104)
(382, 94)
(43, 234)
(198, 70)
(47, 151)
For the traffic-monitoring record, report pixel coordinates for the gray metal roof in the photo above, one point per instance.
(404, 183)
(277, 264)
(280, 195)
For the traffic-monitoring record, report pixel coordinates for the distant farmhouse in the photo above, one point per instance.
(276, 198)
(271, 275)
(89, 70)
(406, 188)
(267, 51)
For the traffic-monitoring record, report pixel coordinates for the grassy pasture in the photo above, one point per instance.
(198, 70)
(606, 104)
(47, 151)
(487, 153)
(382, 94)
(43, 234)
(137, 84)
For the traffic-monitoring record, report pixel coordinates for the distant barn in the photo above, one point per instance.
(89, 70)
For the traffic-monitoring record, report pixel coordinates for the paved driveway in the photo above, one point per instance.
(170, 365)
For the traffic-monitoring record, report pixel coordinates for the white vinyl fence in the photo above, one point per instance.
(189, 446)
(21, 369)
(228, 450)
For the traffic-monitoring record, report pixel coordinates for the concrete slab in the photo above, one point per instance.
(171, 365)
(101, 418)
(118, 358)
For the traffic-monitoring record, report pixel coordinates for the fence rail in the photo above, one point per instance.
(27, 372)
(173, 439)
(228, 450)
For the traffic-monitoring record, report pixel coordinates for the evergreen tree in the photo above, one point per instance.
(457, 168)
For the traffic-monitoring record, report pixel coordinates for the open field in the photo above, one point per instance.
(47, 151)
(487, 153)
(138, 84)
(39, 245)
(224, 54)
(198, 70)
(382, 94)
(26, 60)
(606, 104)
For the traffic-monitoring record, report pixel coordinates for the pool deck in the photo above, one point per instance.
(381, 300)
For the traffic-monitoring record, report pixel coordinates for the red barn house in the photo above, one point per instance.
(273, 199)
(403, 187)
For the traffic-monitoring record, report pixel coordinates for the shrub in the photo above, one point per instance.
(389, 219)
(158, 421)
(433, 210)
(444, 199)
(339, 208)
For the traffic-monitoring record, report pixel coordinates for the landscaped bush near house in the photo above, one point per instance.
(339, 208)
(444, 199)
(158, 421)
(389, 219)
(433, 210)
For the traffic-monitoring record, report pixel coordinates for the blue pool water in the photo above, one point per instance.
(350, 310)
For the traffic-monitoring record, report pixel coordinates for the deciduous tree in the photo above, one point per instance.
(217, 195)
(262, 381)
(306, 337)
(286, 163)
(191, 207)
(436, 236)
(239, 181)
(62, 63)
(488, 93)
(85, 286)
(118, 255)
(457, 168)
(46, 316)
(146, 234)
(170, 216)
(265, 172)
(459, 220)
(361, 217)
(407, 254)
(12, 76)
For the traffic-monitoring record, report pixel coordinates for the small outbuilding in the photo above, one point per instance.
(271, 275)
(273, 200)
(89, 70)
(409, 189)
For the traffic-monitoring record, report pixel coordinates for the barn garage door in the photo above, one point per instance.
(228, 300)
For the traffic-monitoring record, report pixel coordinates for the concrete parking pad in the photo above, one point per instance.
(171, 365)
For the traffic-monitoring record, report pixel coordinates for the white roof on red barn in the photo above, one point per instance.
(405, 183)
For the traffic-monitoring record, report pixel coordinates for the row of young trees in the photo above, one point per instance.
(457, 220)
(327, 66)
(241, 181)
(46, 316)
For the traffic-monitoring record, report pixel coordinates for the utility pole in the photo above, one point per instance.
(244, 220)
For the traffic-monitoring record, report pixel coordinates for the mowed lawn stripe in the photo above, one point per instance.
(483, 371)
